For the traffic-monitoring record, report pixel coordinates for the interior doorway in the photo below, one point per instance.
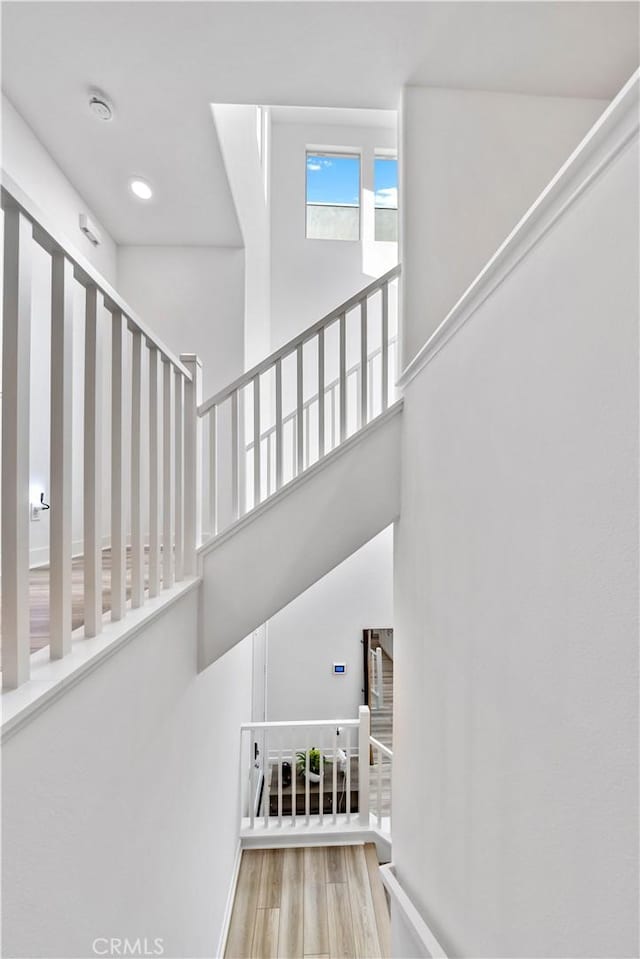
(377, 648)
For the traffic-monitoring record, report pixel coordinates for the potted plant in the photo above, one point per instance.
(315, 758)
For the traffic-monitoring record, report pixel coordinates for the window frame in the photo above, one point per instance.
(348, 153)
(384, 153)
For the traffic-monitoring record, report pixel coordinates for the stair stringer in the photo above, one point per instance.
(274, 553)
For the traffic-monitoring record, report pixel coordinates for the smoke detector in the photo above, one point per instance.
(100, 107)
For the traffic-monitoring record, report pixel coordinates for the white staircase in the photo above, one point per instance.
(250, 496)
(325, 477)
(298, 535)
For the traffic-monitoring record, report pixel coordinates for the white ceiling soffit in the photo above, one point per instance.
(163, 63)
(336, 117)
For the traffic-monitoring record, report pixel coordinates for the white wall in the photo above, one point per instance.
(193, 298)
(120, 801)
(516, 653)
(245, 141)
(311, 277)
(324, 625)
(472, 163)
(27, 162)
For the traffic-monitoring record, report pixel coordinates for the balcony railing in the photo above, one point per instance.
(313, 775)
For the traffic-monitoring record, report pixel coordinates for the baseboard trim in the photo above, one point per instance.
(411, 915)
(228, 909)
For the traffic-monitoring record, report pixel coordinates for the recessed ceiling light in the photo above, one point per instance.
(141, 189)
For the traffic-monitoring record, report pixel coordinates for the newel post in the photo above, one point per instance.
(363, 765)
(192, 462)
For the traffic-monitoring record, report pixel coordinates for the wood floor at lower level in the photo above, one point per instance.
(320, 901)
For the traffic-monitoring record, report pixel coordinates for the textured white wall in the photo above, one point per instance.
(516, 653)
(192, 297)
(472, 163)
(247, 168)
(324, 625)
(120, 799)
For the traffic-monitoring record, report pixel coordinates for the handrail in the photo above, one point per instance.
(383, 749)
(420, 929)
(50, 238)
(302, 724)
(313, 399)
(245, 378)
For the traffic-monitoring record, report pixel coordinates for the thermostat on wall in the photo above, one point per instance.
(339, 667)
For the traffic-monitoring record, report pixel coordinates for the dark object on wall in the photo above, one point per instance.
(286, 774)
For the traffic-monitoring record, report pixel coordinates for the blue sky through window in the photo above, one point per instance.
(333, 179)
(386, 182)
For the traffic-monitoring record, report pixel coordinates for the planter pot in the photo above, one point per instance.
(312, 777)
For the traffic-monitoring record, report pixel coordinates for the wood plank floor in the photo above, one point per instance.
(39, 595)
(320, 901)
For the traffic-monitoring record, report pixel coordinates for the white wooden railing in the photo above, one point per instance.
(332, 426)
(268, 426)
(155, 516)
(270, 750)
(379, 802)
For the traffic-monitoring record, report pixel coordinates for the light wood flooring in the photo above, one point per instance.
(39, 595)
(320, 901)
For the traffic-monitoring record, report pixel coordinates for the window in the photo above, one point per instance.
(386, 192)
(333, 196)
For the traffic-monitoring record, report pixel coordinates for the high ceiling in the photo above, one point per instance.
(162, 63)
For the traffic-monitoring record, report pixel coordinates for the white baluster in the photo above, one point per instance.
(61, 446)
(213, 470)
(321, 789)
(385, 346)
(92, 495)
(267, 781)
(348, 784)
(192, 462)
(252, 776)
(279, 426)
(167, 476)
(334, 790)
(178, 464)
(343, 378)
(307, 801)
(294, 776)
(16, 347)
(299, 411)
(379, 789)
(363, 765)
(118, 505)
(137, 545)
(154, 475)
(256, 441)
(280, 788)
(235, 503)
(321, 393)
(364, 365)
